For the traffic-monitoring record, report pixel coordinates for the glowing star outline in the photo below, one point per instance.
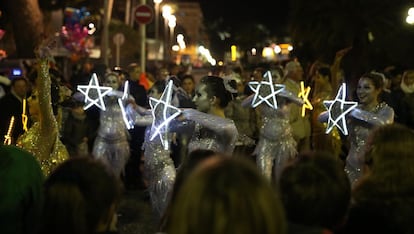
(94, 85)
(169, 112)
(304, 93)
(345, 108)
(256, 87)
(125, 95)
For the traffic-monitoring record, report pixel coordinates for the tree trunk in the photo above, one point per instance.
(28, 27)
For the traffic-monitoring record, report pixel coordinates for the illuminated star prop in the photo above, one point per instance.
(304, 93)
(121, 105)
(265, 91)
(7, 137)
(24, 116)
(337, 109)
(94, 93)
(126, 90)
(163, 112)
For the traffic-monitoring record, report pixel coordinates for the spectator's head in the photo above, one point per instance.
(323, 75)
(188, 84)
(294, 71)
(81, 196)
(193, 159)
(229, 195)
(315, 191)
(134, 71)
(408, 79)
(157, 89)
(390, 150)
(384, 195)
(19, 86)
(258, 73)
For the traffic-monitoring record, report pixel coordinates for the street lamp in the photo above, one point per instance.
(172, 22)
(166, 13)
(410, 16)
(157, 16)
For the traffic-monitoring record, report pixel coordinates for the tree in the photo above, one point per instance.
(369, 26)
(27, 23)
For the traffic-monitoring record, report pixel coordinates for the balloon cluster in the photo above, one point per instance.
(74, 35)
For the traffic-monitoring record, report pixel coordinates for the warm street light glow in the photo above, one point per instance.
(175, 48)
(172, 21)
(180, 41)
(254, 51)
(233, 53)
(410, 17)
(166, 11)
(206, 54)
(157, 16)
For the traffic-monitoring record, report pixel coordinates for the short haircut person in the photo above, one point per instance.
(15, 80)
(79, 195)
(193, 159)
(326, 72)
(226, 195)
(388, 147)
(383, 198)
(315, 191)
(215, 87)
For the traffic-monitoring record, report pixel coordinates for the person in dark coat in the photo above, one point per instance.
(12, 105)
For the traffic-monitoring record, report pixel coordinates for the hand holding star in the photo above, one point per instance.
(304, 93)
(94, 93)
(338, 109)
(163, 112)
(265, 91)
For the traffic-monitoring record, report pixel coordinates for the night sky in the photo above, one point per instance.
(271, 13)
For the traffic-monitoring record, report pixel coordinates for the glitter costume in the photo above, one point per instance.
(111, 144)
(211, 132)
(159, 168)
(42, 139)
(276, 143)
(359, 127)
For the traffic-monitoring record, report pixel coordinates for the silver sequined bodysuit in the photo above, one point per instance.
(111, 144)
(211, 132)
(276, 143)
(160, 171)
(359, 128)
(159, 168)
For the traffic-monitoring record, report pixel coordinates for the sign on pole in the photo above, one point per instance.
(143, 14)
(119, 39)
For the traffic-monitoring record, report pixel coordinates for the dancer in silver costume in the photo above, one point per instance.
(159, 168)
(369, 113)
(276, 144)
(211, 130)
(111, 144)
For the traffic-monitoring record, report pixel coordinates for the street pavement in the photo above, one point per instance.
(134, 214)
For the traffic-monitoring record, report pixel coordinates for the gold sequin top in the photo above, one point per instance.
(42, 139)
